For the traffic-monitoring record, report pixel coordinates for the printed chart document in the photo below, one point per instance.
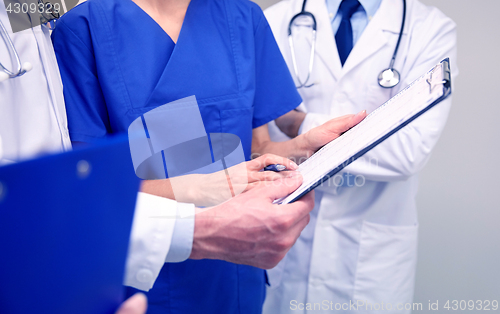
(418, 97)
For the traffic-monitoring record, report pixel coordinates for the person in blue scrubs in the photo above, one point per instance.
(118, 62)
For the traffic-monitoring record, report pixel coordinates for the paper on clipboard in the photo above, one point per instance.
(418, 97)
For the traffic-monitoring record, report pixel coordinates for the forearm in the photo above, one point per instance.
(161, 188)
(215, 188)
(290, 122)
(181, 189)
(304, 145)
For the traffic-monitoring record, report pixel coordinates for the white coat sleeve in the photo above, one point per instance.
(406, 152)
(182, 237)
(152, 237)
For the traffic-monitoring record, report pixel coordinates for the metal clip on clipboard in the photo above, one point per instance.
(390, 117)
(446, 81)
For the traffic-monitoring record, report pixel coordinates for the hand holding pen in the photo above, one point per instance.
(275, 168)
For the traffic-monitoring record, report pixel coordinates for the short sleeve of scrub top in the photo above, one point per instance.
(113, 70)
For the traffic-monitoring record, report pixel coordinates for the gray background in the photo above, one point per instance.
(459, 197)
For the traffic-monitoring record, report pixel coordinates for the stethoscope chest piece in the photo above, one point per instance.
(388, 78)
(22, 68)
(4, 76)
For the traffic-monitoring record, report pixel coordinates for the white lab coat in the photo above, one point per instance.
(33, 122)
(361, 243)
(32, 112)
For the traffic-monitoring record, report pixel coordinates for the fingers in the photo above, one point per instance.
(271, 175)
(281, 188)
(300, 208)
(277, 249)
(360, 116)
(136, 304)
(341, 124)
(270, 159)
(288, 229)
(294, 231)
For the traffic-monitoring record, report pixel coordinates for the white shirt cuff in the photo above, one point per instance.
(182, 238)
(152, 229)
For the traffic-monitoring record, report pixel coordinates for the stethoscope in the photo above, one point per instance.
(388, 78)
(47, 19)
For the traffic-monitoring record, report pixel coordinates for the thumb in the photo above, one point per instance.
(346, 122)
(360, 116)
(136, 304)
(274, 190)
(342, 124)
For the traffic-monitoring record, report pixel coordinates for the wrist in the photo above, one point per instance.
(301, 148)
(206, 189)
(194, 189)
(203, 228)
(300, 117)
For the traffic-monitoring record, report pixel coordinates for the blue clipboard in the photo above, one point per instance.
(65, 223)
(446, 85)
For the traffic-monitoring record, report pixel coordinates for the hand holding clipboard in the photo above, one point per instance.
(418, 97)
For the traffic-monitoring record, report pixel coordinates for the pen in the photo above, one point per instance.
(275, 168)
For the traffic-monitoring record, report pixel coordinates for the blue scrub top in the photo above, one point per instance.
(117, 63)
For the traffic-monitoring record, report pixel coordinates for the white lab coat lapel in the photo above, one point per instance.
(326, 48)
(374, 36)
(372, 39)
(281, 34)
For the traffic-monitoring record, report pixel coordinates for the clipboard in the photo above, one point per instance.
(65, 224)
(429, 89)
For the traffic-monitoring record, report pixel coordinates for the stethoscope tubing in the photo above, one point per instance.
(403, 21)
(20, 68)
(303, 12)
(10, 45)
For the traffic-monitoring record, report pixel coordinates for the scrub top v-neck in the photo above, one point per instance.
(117, 63)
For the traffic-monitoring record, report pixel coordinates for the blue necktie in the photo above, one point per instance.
(344, 33)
